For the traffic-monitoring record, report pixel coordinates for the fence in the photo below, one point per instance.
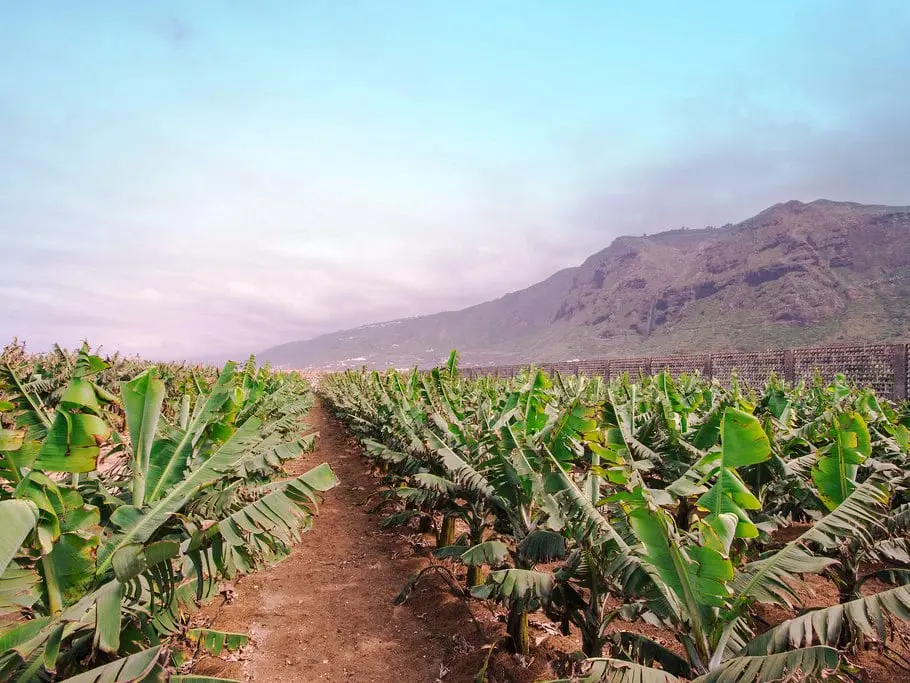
(884, 367)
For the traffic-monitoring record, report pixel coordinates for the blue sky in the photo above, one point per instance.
(191, 178)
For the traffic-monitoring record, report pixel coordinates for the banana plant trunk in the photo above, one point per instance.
(683, 515)
(476, 574)
(846, 574)
(592, 642)
(446, 535)
(54, 595)
(847, 589)
(138, 487)
(517, 628)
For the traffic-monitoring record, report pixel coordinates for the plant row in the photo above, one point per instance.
(128, 492)
(673, 502)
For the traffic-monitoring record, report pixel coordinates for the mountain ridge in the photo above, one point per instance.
(795, 273)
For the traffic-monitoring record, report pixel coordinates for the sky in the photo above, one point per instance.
(190, 179)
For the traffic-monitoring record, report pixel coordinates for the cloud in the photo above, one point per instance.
(177, 32)
(863, 156)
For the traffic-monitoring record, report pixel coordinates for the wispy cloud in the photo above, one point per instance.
(177, 32)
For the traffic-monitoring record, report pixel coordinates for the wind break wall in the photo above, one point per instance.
(883, 367)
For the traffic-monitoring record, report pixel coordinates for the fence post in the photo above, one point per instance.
(648, 369)
(709, 367)
(899, 364)
(789, 366)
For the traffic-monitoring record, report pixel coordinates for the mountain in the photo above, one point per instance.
(795, 274)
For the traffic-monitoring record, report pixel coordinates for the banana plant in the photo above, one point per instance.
(111, 563)
(669, 501)
(508, 473)
(696, 590)
(881, 550)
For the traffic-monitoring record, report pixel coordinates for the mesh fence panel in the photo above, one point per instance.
(677, 365)
(754, 368)
(868, 366)
(634, 366)
(884, 367)
(594, 368)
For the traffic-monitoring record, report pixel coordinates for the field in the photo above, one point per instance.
(129, 493)
(678, 530)
(531, 528)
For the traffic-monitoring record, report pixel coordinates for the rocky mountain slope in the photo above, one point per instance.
(795, 274)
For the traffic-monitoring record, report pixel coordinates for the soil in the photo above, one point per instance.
(326, 612)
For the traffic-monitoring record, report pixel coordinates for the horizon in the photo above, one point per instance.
(186, 181)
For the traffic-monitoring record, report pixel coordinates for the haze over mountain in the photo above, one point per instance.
(795, 274)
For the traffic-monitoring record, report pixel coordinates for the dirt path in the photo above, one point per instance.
(326, 612)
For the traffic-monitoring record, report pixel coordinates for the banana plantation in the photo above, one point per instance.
(130, 491)
(666, 505)
(672, 526)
